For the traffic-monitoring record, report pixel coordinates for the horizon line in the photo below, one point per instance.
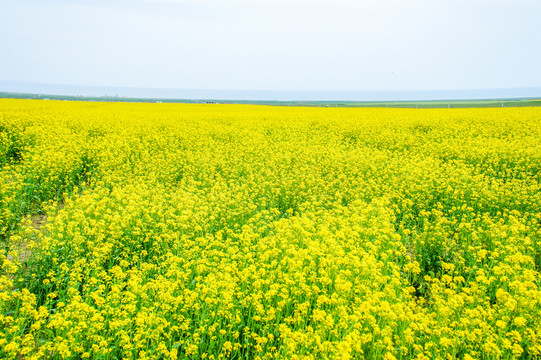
(32, 88)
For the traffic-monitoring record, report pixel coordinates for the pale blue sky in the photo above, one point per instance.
(337, 45)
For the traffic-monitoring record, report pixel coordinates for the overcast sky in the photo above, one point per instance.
(273, 45)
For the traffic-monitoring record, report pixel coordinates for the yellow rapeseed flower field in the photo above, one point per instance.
(167, 231)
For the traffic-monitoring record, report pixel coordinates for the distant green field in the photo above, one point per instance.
(511, 102)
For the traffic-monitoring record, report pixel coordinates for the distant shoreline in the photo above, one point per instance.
(452, 103)
(332, 96)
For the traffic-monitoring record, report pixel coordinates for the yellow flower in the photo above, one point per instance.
(519, 321)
